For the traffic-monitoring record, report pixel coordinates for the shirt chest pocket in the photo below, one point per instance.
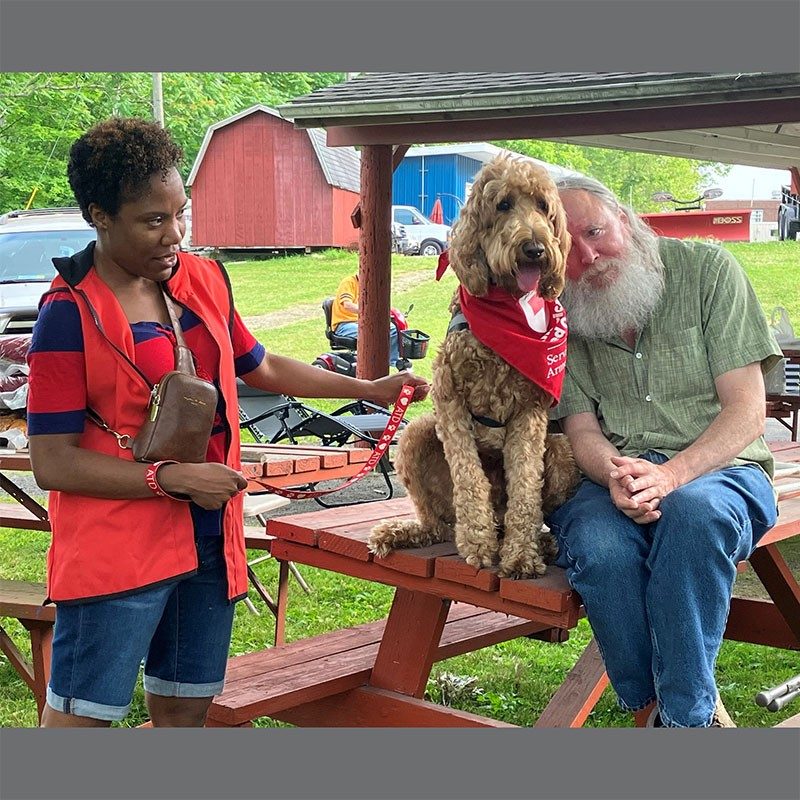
(679, 366)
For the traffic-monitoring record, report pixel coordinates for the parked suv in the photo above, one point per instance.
(29, 240)
(431, 237)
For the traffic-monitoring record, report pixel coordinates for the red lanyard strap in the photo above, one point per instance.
(386, 438)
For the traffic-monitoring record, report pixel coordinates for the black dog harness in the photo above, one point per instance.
(458, 322)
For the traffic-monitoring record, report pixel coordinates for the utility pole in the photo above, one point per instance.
(158, 99)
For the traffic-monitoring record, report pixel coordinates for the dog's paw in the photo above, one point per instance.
(521, 565)
(387, 536)
(391, 534)
(480, 555)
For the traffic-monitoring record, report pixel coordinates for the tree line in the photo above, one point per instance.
(42, 113)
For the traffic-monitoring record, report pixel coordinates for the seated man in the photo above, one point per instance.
(663, 403)
(344, 315)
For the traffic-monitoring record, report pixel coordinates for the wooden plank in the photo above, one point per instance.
(256, 538)
(274, 466)
(778, 580)
(249, 666)
(551, 591)
(13, 515)
(328, 456)
(302, 464)
(358, 455)
(759, 622)
(483, 630)
(369, 570)
(409, 642)
(417, 560)
(266, 694)
(302, 478)
(23, 600)
(454, 568)
(304, 528)
(15, 461)
(578, 694)
(350, 540)
(367, 706)
(787, 526)
(310, 665)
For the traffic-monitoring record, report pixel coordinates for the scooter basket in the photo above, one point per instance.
(413, 344)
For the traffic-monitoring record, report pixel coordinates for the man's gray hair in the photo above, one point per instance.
(584, 183)
(628, 303)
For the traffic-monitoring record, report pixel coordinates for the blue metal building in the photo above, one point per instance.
(445, 172)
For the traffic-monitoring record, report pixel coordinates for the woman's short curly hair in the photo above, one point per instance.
(114, 161)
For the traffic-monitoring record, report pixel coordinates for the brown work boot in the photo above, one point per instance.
(721, 718)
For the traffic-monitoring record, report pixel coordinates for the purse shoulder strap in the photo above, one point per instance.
(183, 356)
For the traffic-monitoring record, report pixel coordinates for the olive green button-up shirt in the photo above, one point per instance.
(660, 394)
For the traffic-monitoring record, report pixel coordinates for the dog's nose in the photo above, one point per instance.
(533, 250)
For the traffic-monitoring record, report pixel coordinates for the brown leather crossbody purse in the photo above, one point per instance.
(180, 413)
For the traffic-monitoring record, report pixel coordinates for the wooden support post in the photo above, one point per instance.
(283, 599)
(375, 261)
(774, 573)
(410, 640)
(577, 696)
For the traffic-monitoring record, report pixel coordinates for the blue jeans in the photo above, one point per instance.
(658, 596)
(351, 329)
(182, 628)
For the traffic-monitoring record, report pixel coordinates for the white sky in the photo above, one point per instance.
(745, 183)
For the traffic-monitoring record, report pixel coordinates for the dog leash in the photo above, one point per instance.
(395, 418)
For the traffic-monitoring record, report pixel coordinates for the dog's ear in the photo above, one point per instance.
(469, 261)
(553, 284)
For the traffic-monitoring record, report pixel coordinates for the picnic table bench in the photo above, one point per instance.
(376, 674)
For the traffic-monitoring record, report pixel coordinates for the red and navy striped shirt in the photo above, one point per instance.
(57, 381)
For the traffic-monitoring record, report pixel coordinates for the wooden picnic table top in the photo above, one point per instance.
(279, 465)
(336, 539)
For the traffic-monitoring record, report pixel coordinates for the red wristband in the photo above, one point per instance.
(151, 479)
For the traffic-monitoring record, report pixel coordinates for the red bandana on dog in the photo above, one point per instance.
(527, 332)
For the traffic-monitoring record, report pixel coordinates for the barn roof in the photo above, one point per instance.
(739, 118)
(340, 165)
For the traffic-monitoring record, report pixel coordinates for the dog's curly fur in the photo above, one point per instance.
(469, 481)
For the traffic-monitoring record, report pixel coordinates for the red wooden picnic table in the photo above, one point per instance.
(428, 580)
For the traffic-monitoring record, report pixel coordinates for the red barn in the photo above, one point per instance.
(259, 183)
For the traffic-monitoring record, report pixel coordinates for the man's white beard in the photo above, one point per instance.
(625, 305)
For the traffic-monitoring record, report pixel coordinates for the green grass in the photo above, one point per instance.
(512, 681)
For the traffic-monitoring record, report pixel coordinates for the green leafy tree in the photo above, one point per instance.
(42, 113)
(633, 176)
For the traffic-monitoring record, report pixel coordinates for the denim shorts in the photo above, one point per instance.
(181, 629)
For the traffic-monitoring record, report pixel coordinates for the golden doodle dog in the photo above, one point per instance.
(482, 469)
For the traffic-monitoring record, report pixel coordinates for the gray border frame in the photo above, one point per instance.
(387, 35)
(684, 35)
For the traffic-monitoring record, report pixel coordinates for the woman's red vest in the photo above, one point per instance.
(103, 547)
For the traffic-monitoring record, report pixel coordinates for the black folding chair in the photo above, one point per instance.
(274, 418)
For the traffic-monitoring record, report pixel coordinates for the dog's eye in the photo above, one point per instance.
(504, 205)
(542, 205)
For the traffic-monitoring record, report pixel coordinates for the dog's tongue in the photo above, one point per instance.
(528, 279)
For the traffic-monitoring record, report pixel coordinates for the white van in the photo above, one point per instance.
(431, 237)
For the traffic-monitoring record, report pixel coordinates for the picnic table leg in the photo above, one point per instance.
(41, 650)
(410, 639)
(283, 599)
(780, 583)
(578, 694)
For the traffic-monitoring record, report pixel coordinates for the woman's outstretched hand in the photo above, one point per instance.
(384, 390)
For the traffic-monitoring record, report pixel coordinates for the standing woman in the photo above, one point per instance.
(136, 571)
